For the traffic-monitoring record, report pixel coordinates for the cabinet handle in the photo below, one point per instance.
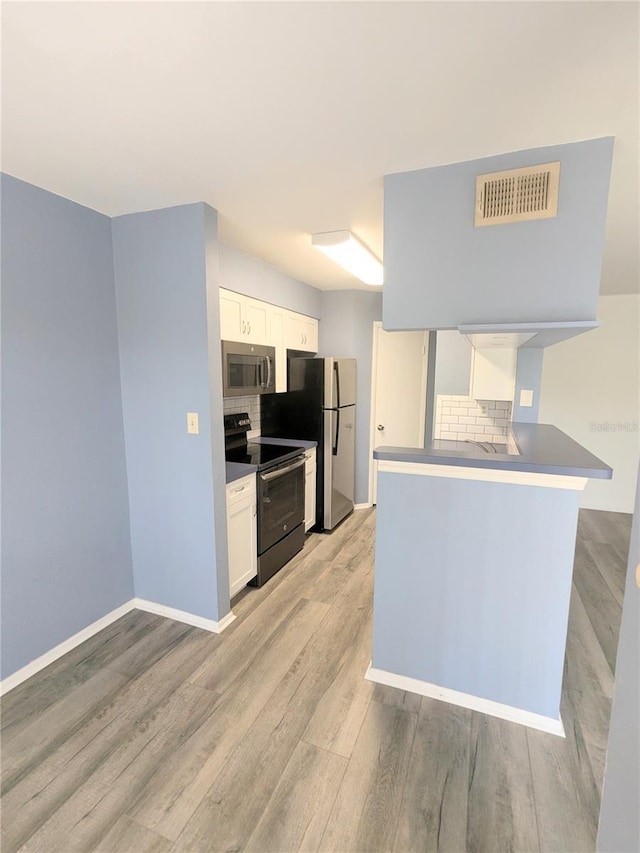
(243, 326)
(241, 489)
(248, 328)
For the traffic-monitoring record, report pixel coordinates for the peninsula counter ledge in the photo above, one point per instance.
(473, 570)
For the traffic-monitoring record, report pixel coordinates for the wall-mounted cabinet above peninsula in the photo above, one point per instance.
(523, 335)
(498, 350)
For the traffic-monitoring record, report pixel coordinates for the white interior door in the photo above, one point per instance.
(399, 391)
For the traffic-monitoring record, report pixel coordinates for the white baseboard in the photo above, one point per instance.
(183, 616)
(362, 506)
(466, 700)
(56, 652)
(52, 655)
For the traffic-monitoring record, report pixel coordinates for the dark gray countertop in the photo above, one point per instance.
(292, 442)
(544, 449)
(236, 470)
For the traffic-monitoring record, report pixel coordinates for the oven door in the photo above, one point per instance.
(280, 502)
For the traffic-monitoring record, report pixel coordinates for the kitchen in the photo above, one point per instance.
(134, 330)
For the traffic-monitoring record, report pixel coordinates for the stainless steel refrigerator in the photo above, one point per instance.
(320, 406)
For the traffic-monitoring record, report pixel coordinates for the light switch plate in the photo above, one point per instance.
(192, 423)
(526, 398)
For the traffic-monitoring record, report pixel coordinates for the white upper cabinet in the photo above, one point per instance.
(493, 373)
(243, 319)
(301, 332)
(231, 316)
(257, 316)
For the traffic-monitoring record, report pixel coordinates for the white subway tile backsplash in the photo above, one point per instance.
(471, 417)
(251, 405)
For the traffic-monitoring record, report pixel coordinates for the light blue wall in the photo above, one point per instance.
(252, 277)
(162, 262)
(430, 410)
(528, 376)
(619, 830)
(212, 270)
(441, 271)
(346, 330)
(66, 554)
(467, 572)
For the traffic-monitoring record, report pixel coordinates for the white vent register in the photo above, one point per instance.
(517, 195)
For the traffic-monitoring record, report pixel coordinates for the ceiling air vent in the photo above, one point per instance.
(517, 195)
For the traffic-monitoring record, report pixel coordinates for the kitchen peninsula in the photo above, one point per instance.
(473, 570)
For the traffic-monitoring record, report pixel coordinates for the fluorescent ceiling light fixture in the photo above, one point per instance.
(345, 249)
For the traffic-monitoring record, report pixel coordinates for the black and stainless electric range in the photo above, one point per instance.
(280, 494)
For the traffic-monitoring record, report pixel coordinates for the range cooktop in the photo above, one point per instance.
(263, 455)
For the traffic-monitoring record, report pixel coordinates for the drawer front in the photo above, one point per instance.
(241, 489)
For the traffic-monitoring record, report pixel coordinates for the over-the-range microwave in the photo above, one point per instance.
(247, 369)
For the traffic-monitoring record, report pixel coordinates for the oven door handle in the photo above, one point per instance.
(273, 475)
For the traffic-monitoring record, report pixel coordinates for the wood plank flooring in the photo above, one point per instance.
(155, 736)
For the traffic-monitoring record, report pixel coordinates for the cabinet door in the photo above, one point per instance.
(301, 332)
(309, 334)
(231, 316)
(257, 325)
(242, 533)
(276, 339)
(493, 373)
(310, 473)
(292, 331)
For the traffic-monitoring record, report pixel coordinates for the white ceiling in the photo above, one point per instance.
(286, 116)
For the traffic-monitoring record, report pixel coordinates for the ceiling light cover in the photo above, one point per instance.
(345, 249)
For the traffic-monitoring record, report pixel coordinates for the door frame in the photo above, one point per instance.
(373, 464)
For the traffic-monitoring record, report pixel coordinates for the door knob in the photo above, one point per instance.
(381, 427)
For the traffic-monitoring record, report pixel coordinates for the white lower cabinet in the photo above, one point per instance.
(310, 473)
(242, 532)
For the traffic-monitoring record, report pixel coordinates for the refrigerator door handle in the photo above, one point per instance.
(337, 371)
(335, 446)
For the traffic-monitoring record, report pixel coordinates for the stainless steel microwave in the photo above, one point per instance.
(247, 369)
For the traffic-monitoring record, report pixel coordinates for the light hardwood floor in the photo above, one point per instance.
(155, 736)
